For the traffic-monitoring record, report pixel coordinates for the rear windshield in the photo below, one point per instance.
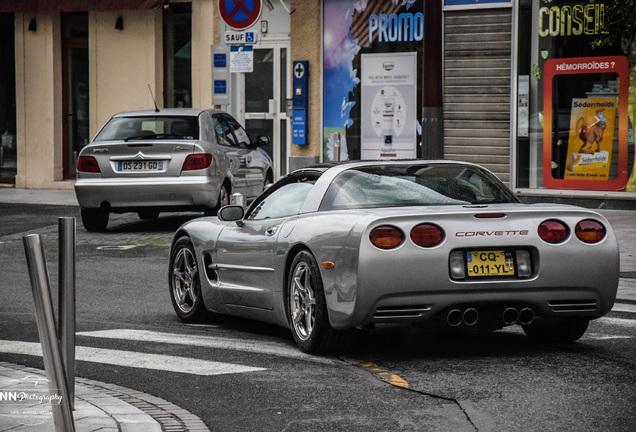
(159, 127)
(410, 185)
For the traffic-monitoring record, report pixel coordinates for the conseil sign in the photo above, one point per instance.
(240, 14)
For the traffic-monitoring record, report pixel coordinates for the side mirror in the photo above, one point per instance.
(262, 141)
(232, 213)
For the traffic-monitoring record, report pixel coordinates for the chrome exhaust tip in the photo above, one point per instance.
(526, 316)
(510, 316)
(454, 317)
(470, 316)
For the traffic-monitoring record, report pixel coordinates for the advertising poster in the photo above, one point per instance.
(357, 35)
(596, 154)
(591, 139)
(388, 106)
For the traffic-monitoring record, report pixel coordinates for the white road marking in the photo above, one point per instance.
(252, 346)
(135, 359)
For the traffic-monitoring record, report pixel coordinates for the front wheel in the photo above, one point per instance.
(306, 307)
(185, 283)
(563, 331)
(94, 220)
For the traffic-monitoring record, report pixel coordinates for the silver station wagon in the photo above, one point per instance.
(168, 160)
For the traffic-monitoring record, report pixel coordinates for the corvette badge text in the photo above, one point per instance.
(490, 233)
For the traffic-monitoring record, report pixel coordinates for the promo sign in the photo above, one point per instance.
(240, 14)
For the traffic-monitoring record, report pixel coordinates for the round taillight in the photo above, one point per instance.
(427, 235)
(386, 237)
(553, 231)
(87, 164)
(590, 231)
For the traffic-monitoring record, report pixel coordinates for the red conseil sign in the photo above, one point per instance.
(240, 14)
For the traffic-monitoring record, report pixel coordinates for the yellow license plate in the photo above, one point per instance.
(490, 263)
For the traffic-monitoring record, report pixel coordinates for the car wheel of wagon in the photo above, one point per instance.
(564, 331)
(224, 199)
(306, 307)
(185, 283)
(95, 220)
(148, 214)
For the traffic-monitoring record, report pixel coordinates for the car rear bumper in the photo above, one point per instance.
(170, 193)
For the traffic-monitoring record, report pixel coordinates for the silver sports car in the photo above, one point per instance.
(436, 243)
(168, 160)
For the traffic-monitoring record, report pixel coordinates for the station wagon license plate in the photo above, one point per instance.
(140, 165)
(490, 263)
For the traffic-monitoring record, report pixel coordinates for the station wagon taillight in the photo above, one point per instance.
(553, 231)
(427, 235)
(386, 237)
(87, 164)
(197, 161)
(590, 231)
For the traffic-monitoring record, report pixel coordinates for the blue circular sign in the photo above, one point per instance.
(240, 14)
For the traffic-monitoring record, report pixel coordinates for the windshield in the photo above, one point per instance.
(410, 185)
(159, 127)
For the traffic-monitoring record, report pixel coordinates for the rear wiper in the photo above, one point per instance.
(136, 137)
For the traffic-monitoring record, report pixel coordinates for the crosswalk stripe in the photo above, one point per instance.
(135, 359)
(257, 347)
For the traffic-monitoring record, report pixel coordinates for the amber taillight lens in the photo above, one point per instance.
(553, 231)
(427, 235)
(197, 161)
(590, 231)
(87, 164)
(386, 237)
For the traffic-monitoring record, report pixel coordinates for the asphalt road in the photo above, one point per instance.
(386, 380)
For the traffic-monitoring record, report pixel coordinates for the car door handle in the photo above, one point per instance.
(271, 230)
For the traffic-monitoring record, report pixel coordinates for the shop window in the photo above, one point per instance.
(8, 154)
(573, 127)
(177, 54)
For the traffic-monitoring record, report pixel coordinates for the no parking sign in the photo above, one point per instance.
(240, 14)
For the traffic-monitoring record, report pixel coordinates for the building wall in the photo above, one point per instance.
(306, 41)
(124, 63)
(38, 101)
(204, 28)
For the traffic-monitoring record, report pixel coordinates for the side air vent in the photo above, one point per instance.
(573, 305)
(209, 270)
(393, 312)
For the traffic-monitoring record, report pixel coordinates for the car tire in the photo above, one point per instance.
(224, 199)
(94, 220)
(307, 309)
(563, 331)
(148, 214)
(185, 282)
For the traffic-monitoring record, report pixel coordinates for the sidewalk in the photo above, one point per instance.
(107, 407)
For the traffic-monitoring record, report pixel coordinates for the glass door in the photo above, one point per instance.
(266, 91)
(75, 90)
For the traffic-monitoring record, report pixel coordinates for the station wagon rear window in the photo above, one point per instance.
(145, 128)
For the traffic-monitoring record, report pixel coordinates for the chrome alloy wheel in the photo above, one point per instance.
(185, 280)
(302, 301)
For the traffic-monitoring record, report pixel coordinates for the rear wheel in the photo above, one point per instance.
(185, 282)
(95, 220)
(307, 309)
(564, 331)
(224, 199)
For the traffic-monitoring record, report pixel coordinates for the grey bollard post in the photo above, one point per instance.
(62, 414)
(66, 310)
(237, 199)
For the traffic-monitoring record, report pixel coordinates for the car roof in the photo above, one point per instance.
(166, 112)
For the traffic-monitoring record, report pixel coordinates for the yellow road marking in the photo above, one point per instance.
(385, 375)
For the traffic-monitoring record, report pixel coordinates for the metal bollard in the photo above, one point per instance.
(66, 309)
(237, 199)
(62, 414)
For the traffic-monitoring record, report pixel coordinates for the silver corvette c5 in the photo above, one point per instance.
(436, 243)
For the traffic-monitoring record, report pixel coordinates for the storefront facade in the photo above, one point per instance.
(512, 85)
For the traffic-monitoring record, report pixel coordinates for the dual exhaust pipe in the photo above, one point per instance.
(470, 316)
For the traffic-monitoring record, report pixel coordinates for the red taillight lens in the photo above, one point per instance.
(87, 164)
(590, 231)
(386, 237)
(197, 161)
(553, 231)
(427, 235)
